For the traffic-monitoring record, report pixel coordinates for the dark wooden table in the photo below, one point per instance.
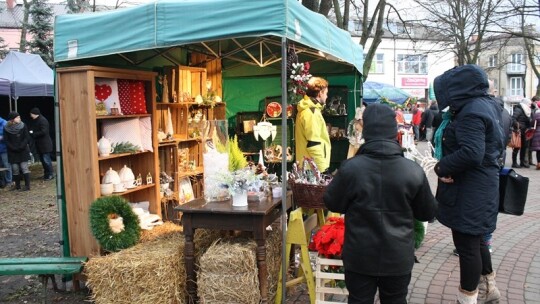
(223, 216)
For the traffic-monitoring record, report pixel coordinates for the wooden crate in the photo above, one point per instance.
(323, 280)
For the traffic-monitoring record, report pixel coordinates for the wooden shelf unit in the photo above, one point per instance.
(83, 167)
(187, 135)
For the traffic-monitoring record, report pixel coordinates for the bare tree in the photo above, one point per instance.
(370, 22)
(465, 24)
(533, 52)
(23, 45)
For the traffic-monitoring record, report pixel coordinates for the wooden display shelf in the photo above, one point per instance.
(128, 191)
(189, 104)
(197, 171)
(199, 139)
(111, 156)
(168, 143)
(122, 116)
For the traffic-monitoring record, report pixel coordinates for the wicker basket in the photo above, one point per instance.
(308, 196)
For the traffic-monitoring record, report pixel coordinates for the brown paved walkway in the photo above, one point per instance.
(516, 256)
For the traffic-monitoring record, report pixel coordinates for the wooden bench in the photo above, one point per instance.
(44, 267)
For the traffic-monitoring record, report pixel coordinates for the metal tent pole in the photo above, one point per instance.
(284, 263)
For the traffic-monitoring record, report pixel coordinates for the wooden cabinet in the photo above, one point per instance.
(83, 168)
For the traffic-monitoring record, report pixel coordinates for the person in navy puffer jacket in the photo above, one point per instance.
(6, 178)
(472, 144)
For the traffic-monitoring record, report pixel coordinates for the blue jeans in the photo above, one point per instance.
(8, 177)
(47, 165)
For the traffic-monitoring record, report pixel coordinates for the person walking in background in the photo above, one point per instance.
(522, 121)
(417, 118)
(427, 120)
(17, 137)
(312, 139)
(468, 172)
(43, 142)
(535, 141)
(534, 109)
(378, 251)
(4, 163)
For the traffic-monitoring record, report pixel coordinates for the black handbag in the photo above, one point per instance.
(512, 192)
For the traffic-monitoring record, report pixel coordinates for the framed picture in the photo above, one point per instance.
(185, 189)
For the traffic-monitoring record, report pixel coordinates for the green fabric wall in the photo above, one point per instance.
(248, 93)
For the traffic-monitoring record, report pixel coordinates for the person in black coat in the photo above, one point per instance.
(43, 142)
(381, 193)
(522, 121)
(427, 120)
(472, 144)
(17, 137)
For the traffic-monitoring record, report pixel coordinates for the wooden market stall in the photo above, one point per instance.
(162, 56)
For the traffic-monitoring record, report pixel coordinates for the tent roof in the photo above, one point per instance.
(222, 28)
(4, 87)
(28, 74)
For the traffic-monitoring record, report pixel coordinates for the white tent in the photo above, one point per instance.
(26, 75)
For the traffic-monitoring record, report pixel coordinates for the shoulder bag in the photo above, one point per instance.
(515, 140)
(529, 133)
(513, 190)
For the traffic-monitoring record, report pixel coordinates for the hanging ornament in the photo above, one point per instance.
(264, 129)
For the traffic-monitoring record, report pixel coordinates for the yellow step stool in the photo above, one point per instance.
(299, 233)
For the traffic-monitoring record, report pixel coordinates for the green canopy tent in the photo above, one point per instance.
(250, 37)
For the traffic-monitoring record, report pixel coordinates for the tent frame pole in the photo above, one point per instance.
(284, 98)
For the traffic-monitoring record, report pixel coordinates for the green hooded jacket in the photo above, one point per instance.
(311, 135)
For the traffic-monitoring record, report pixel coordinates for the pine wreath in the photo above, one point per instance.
(100, 212)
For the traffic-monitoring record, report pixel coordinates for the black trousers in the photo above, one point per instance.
(474, 259)
(362, 288)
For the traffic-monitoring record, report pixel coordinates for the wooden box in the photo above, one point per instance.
(323, 281)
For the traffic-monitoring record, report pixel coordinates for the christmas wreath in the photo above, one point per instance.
(102, 211)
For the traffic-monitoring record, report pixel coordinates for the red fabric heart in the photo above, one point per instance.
(102, 92)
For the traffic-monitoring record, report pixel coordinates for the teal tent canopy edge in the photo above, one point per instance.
(166, 23)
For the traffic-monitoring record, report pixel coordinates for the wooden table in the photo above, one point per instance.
(223, 216)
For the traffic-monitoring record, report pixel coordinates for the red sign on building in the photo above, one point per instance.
(414, 82)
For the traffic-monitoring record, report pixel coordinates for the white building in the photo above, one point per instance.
(411, 66)
(506, 61)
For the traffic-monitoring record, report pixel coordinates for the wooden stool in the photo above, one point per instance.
(299, 233)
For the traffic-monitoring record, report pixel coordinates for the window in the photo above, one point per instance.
(516, 86)
(537, 59)
(412, 64)
(516, 62)
(492, 61)
(377, 65)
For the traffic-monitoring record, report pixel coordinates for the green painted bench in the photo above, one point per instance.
(44, 267)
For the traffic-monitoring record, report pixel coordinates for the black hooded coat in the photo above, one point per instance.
(381, 193)
(472, 145)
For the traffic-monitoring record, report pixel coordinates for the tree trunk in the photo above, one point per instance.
(312, 5)
(325, 7)
(23, 43)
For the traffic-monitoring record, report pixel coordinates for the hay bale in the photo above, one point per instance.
(161, 231)
(228, 270)
(149, 272)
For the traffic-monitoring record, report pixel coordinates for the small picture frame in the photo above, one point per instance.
(184, 186)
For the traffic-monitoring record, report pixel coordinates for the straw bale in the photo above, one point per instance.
(228, 270)
(165, 230)
(149, 272)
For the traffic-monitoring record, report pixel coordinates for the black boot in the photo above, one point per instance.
(514, 159)
(17, 180)
(26, 182)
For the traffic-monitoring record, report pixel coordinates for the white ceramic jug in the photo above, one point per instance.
(104, 147)
(127, 177)
(111, 177)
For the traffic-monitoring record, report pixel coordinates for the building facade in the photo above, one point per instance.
(506, 62)
(407, 64)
